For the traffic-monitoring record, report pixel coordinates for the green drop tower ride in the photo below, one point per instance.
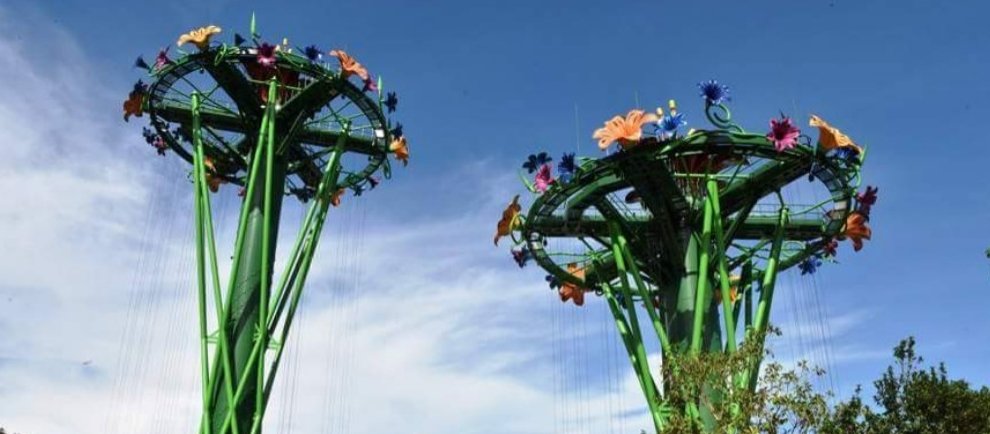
(272, 122)
(684, 233)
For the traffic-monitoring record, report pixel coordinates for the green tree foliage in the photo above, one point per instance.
(784, 400)
(711, 397)
(910, 399)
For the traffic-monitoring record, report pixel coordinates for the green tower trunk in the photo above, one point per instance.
(244, 308)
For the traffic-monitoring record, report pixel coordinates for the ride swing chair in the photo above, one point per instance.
(690, 229)
(278, 122)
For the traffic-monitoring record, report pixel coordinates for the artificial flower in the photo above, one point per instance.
(857, 230)
(134, 104)
(401, 150)
(349, 66)
(199, 37)
(714, 93)
(830, 248)
(535, 161)
(783, 133)
(370, 85)
(521, 256)
(391, 101)
(733, 290)
(810, 265)
(830, 137)
(866, 200)
(847, 154)
(566, 168)
(668, 124)
(313, 53)
(510, 218)
(544, 178)
(627, 131)
(140, 63)
(213, 180)
(733, 295)
(266, 55)
(162, 58)
(140, 87)
(571, 291)
(337, 195)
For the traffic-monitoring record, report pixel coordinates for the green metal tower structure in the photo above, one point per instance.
(278, 122)
(687, 233)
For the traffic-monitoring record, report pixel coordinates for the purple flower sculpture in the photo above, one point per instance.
(162, 58)
(313, 53)
(266, 55)
(543, 179)
(566, 168)
(783, 133)
(522, 256)
(534, 161)
(714, 93)
(391, 100)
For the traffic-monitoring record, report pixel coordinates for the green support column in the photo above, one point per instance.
(762, 320)
(682, 317)
(244, 307)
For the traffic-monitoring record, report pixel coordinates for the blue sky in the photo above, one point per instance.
(482, 85)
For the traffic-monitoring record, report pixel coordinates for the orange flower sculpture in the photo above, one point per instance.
(627, 131)
(350, 66)
(510, 218)
(212, 179)
(133, 105)
(733, 290)
(335, 199)
(830, 137)
(401, 150)
(857, 230)
(570, 291)
(199, 37)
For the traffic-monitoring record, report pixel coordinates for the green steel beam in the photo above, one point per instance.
(619, 245)
(645, 377)
(723, 268)
(762, 318)
(221, 120)
(755, 227)
(701, 296)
